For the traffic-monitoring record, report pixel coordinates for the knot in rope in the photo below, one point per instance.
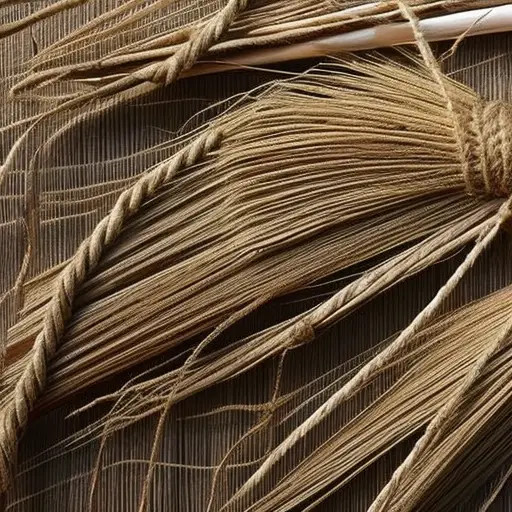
(302, 332)
(488, 149)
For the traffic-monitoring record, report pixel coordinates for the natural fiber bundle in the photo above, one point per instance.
(229, 362)
(265, 201)
(360, 431)
(434, 370)
(136, 47)
(254, 213)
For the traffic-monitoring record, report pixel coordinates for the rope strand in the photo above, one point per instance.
(33, 380)
(365, 374)
(438, 426)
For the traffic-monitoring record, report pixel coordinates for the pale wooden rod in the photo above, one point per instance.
(490, 20)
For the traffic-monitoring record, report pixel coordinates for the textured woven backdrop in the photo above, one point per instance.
(75, 185)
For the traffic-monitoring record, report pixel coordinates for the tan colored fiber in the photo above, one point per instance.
(276, 121)
(492, 132)
(267, 23)
(399, 345)
(436, 428)
(276, 206)
(433, 367)
(222, 364)
(256, 157)
(436, 364)
(302, 202)
(148, 79)
(62, 5)
(489, 126)
(33, 380)
(382, 359)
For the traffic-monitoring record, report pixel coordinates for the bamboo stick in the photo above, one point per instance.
(441, 28)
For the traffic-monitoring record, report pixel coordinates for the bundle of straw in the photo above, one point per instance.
(362, 163)
(396, 404)
(262, 202)
(440, 366)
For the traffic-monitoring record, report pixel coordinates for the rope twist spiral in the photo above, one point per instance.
(201, 40)
(33, 380)
(488, 149)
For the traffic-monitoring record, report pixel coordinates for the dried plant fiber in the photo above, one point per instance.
(461, 140)
(137, 46)
(433, 366)
(371, 430)
(449, 219)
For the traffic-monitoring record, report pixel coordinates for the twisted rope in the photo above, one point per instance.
(152, 76)
(488, 149)
(33, 380)
(201, 40)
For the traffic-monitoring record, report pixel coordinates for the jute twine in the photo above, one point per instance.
(33, 380)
